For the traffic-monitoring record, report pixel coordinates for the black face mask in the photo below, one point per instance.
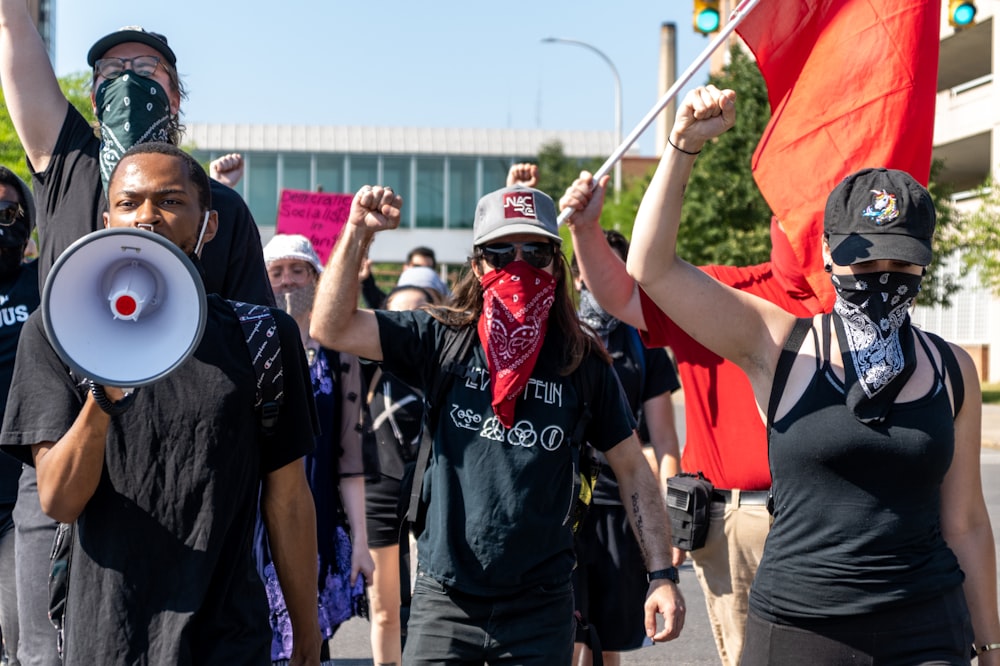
(873, 325)
(10, 261)
(595, 316)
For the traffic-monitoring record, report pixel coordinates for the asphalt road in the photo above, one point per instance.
(695, 647)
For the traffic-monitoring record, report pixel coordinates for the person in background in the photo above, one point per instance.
(137, 94)
(881, 548)
(335, 469)
(19, 297)
(374, 297)
(397, 411)
(609, 584)
(495, 556)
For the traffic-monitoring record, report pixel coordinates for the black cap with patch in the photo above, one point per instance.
(880, 214)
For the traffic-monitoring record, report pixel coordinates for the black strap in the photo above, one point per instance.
(784, 367)
(952, 370)
(457, 343)
(264, 347)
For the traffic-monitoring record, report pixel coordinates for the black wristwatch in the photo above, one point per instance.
(670, 573)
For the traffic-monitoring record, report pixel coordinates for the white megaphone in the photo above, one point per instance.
(123, 307)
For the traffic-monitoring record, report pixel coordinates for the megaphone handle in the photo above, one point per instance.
(102, 400)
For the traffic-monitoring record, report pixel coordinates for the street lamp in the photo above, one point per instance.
(618, 100)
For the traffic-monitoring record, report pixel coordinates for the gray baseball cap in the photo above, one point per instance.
(515, 210)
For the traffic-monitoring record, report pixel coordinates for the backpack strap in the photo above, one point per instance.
(261, 334)
(454, 350)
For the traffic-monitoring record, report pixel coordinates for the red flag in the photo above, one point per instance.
(852, 84)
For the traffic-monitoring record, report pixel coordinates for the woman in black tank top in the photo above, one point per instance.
(881, 549)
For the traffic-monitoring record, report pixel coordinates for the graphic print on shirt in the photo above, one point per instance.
(523, 433)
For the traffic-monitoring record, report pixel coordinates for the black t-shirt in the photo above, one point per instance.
(162, 571)
(397, 418)
(70, 202)
(644, 374)
(500, 499)
(18, 299)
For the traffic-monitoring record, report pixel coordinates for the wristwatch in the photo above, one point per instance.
(670, 573)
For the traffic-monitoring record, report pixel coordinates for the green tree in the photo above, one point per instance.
(725, 218)
(76, 87)
(979, 237)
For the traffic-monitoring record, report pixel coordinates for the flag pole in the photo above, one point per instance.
(739, 13)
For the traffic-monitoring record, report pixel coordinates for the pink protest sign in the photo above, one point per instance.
(319, 216)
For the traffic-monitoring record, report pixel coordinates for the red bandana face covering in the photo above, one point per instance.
(516, 304)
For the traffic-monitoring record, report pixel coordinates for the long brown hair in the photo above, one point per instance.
(466, 307)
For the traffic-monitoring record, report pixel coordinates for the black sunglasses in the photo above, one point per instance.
(10, 212)
(537, 254)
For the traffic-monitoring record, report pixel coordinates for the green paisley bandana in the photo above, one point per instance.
(131, 109)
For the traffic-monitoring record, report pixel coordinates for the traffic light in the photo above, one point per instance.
(706, 16)
(961, 13)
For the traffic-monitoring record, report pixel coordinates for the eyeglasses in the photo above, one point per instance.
(537, 254)
(112, 68)
(10, 212)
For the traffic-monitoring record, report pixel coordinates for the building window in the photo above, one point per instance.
(330, 173)
(364, 171)
(430, 192)
(462, 192)
(396, 174)
(262, 186)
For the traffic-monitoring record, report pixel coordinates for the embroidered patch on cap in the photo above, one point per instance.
(883, 209)
(519, 204)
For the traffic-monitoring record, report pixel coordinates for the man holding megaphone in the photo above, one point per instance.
(163, 483)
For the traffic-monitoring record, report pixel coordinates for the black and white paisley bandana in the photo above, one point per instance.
(873, 322)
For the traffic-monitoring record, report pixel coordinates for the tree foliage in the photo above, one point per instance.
(725, 218)
(980, 240)
(76, 87)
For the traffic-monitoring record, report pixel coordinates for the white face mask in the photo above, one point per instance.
(204, 225)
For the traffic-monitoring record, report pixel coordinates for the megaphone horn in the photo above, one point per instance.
(123, 307)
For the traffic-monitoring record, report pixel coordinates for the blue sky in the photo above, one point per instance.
(390, 63)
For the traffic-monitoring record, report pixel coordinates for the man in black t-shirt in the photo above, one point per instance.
(137, 95)
(18, 298)
(164, 490)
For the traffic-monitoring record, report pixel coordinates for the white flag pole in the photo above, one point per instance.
(735, 19)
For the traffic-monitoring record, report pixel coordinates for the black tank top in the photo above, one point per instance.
(857, 524)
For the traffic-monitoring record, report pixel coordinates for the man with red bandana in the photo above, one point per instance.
(496, 552)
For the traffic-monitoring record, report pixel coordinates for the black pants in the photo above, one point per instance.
(934, 632)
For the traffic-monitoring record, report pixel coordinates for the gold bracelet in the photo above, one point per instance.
(987, 647)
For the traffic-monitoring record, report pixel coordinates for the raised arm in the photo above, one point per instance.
(336, 320)
(600, 268)
(965, 522)
(740, 327)
(31, 91)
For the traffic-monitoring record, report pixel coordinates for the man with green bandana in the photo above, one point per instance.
(136, 94)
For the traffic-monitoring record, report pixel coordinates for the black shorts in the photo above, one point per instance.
(609, 583)
(381, 517)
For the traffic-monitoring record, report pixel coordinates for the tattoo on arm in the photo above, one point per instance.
(639, 533)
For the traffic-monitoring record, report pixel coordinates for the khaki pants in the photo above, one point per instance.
(726, 566)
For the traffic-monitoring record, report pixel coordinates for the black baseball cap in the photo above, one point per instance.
(131, 33)
(880, 213)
